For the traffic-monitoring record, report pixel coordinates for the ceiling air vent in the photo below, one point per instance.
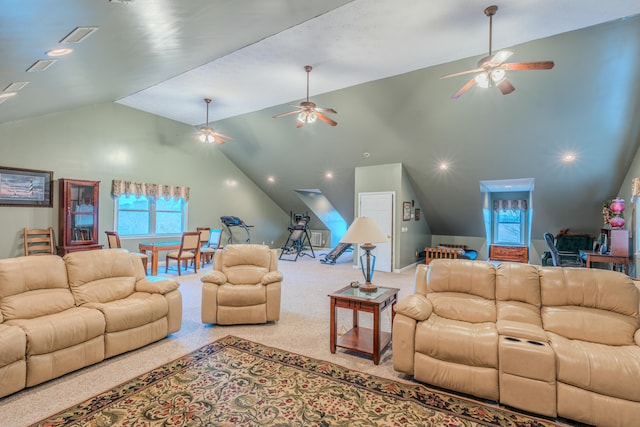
(41, 65)
(14, 87)
(79, 34)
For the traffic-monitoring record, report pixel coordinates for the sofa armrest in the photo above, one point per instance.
(636, 337)
(156, 285)
(216, 277)
(522, 330)
(271, 277)
(415, 306)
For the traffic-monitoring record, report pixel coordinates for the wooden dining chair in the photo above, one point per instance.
(189, 247)
(38, 241)
(113, 239)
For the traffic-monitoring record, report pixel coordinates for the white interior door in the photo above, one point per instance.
(379, 206)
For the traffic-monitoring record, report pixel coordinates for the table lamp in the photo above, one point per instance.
(365, 231)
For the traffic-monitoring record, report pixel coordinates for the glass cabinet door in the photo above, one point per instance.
(78, 215)
(82, 213)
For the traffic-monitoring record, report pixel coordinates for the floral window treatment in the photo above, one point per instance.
(504, 205)
(120, 187)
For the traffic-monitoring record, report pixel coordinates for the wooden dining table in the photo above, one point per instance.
(155, 247)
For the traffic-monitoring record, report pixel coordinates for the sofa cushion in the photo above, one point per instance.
(245, 264)
(472, 344)
(599, 306)
(516, 281)
(13, 343)
(464, 307)
(603, 369)
(464, 276)
(241, 295)
(136, 310)
(100, 276)
(601, 289)
(46, 334)
(33, 286)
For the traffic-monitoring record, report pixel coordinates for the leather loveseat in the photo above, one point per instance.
(553, 341)
(58, 314)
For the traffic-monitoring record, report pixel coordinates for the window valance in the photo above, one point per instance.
(505, 205)
(120, 187)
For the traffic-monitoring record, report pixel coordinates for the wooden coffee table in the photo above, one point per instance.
(364, 340)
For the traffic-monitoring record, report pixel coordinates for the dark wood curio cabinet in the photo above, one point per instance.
(78, 216)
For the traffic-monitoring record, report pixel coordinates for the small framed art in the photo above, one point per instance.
(406, 211)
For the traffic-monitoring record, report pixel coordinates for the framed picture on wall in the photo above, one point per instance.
(25, 187)
(406, 211)
(417, 214)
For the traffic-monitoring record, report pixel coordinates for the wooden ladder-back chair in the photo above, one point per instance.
(113, 239)
(38, 241)
(189, 251)
(206, 250)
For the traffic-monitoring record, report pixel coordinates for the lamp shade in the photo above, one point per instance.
(364, 230)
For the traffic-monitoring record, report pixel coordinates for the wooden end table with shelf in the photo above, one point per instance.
(364, 340)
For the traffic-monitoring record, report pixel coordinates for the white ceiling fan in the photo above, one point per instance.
(492, 68)
(208, 134)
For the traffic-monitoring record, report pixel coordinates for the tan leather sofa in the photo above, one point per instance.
(548, 340)
(244, 286)
(61, 314)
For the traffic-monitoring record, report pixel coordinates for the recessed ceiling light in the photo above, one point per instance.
(4, 95)
(443, 166)
(568, 157)
(271, 179)
(329, 174)
(79, 34)
(60, 51)
(41, 65)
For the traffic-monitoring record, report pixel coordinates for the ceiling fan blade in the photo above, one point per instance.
(540, 65)
(464, 88)
(326, 110)
(222, 135)
(462, 73)
(499, 58)
(217, 139)
(287, 114)
(506, 87)
(325, 119)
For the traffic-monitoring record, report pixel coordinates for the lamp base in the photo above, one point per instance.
(368, 287)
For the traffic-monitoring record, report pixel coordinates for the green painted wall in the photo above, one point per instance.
(409, 236)
(108, 141)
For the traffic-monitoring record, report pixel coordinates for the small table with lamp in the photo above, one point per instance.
(366, 298)
(364, 340)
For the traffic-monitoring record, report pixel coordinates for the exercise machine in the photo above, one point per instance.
(335, 253)
(299, 240)
(234, 221)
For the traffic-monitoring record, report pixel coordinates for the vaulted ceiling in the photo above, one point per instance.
(378, 64)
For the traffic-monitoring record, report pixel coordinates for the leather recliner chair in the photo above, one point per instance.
(244, 287)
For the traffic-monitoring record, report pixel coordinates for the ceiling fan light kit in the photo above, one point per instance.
(492, 68)
(307, 111)
(208, 135)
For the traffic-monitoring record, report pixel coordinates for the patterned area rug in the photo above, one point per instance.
(238, 382)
